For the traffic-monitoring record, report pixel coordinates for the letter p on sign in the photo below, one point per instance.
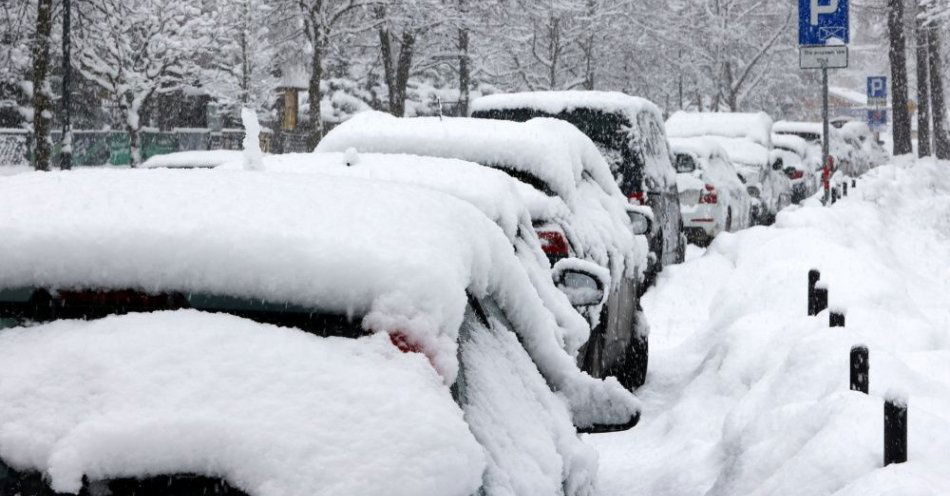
(817, 9)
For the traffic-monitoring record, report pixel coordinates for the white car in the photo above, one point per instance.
(279, 334)
(713, 198)
(576, 207)
(747, 138)
(801, 162)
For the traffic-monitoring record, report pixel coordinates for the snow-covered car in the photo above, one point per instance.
(576, 207)
(872, 151)
(282, 334)
(713, 197)
(629, 132)
(197, 159)
(493, 192)
(801, 162)
(747, 138)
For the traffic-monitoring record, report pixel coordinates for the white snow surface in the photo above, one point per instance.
(555, 102)
(401, 256)
(549, 149)
(196, 159)
(493, 192)
(756, 127)
(274, 411)
(747, 395)
(589, 205)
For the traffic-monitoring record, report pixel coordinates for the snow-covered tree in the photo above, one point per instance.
(137, 49)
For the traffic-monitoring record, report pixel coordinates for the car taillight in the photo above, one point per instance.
(795, 174)
(709, 196)
(637, 198)
(402, 342)
(553, 243)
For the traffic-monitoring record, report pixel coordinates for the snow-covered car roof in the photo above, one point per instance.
(550, 150)
(700, 146)
(400, 256)
(742, 151)
(496, 194)
(755, 127)
(555, 102)
(791, 143)
(192, 159)
(795, 127)
(273, 411)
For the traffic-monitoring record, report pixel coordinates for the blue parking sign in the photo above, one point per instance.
(877, 88)
(822, 20)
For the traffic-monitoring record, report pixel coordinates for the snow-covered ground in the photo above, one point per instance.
(748, 395)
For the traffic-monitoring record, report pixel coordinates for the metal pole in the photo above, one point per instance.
(826, 128)
(66, 148)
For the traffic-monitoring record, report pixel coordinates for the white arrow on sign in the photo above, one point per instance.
(817, 10)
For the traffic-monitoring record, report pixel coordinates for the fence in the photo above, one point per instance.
(112, 147)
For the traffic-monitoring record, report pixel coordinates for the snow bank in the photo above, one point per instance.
(756, 127)
(401, 256)
(274, 411)
(196, 159)
(748, 395)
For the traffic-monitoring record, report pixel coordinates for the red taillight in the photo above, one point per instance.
(709, 196)
(795, 174)
(554, 243)
(637, 198)
(402, 342)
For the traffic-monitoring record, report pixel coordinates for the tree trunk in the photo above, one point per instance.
(898, 59)
(135, 145)
(923, 89)
(465, 69)
(403, 65)
(316, 76)
(245, 55)
(465, 74)
(938, 107)
(42, 115)
(386, 53)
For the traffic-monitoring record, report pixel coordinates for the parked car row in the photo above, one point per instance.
(446, 302)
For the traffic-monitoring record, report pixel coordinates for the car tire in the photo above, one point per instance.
(633, 371)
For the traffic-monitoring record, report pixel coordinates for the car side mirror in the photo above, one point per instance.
(641, 219)
(584, 283)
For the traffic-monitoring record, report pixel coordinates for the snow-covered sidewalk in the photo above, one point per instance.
(748, 395)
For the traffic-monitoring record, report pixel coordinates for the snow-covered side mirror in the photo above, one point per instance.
(641, 219)
(584, 283)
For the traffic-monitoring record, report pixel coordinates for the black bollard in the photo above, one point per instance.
(836, 318)
(859, 368)
(821, 297)
(834, 195)
(844, 189)
(895, 429)
(813, 277)
(854, 183)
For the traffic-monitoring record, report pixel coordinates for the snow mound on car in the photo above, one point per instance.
(756, 127)
(753, 396)
(274, 411)
(556, 102)
(401, 256)
(493, 192)
(196, 159)
(526, 147)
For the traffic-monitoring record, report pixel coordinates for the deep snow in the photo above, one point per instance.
(748, 395)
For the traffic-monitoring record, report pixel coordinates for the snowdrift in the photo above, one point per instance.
(748, 395)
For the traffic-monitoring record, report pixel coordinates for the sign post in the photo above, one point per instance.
(823, 36)
(877, 104)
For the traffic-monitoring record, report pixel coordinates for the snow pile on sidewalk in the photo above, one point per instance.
(274, 411)
(748, 395)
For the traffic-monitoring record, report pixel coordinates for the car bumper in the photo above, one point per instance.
(705, 219)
